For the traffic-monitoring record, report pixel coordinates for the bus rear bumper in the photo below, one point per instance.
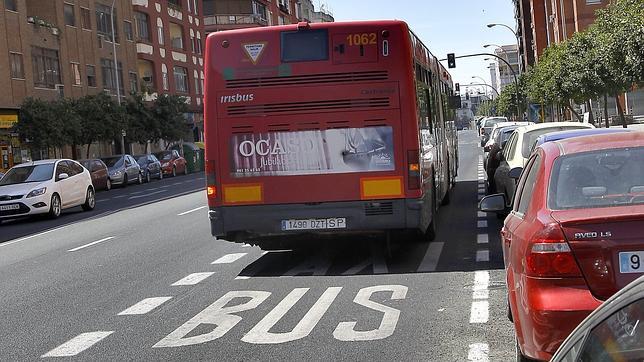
(361, 216)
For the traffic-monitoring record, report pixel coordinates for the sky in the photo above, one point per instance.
(445, 26)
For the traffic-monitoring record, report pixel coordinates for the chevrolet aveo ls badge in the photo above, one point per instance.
(574, 236)
(45, 187)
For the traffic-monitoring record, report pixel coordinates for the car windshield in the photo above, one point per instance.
(598, 179)
(142, 159)
(530, 138)
(165, 156)
(113, 161)
(507, 132)
(23, 174)
(490, 122)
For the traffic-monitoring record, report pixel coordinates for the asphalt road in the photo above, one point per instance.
(142, 279)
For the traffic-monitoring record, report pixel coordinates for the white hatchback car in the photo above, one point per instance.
(45, 187)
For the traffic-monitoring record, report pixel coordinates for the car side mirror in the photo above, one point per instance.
(63, 176)
(515, 173)
(492, 203)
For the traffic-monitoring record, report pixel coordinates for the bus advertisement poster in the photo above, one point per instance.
(365, 149)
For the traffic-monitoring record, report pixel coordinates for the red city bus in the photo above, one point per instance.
(326, 128)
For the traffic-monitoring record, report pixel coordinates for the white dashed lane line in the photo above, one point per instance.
(145, 195)
(92, 243)
(193, 210)
(78, 344)
(480, 312)
(145, 306)
(482, 255)
(229, 258)
(482, 239)
(193, 279)
(481, 224)
(478, 352)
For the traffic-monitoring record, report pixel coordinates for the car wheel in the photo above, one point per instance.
(55, 206)
(519, 357)
(147, 177)
(108, 185)
(90, 200)
(139, 179)
(174, 171)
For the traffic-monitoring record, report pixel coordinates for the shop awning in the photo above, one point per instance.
(8, 120)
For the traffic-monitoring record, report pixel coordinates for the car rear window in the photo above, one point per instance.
(305, 45)
(530, 138)
(603, 178)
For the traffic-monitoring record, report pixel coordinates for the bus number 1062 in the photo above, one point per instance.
(361, 39)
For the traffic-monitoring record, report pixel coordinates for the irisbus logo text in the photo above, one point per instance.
(237, 98)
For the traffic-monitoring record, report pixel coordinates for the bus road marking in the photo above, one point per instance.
(77, 344)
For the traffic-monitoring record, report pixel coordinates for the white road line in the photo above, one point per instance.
(229, 258)
(192, 279)
(119, 196)
(241, 277)
(77, 344)
(191, 211)
(145, 195)
(31, 236)
(136, 192)
(482, 239)
(245, 246)
(480, 312)
(481, 280)
(478, 352)
(92, 243)
(145, 306)
(482, 255)
(481, 224)
(102, 200)
(430, 260)
(481, 214)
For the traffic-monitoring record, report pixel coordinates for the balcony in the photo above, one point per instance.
(284, 8)
(235, 20)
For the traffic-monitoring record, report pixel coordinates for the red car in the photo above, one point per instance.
(574, 236)
(172, 163)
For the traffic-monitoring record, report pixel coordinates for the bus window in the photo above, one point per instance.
(305, 45)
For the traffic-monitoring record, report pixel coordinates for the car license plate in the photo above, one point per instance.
(9, 207)
(314, 224)
(631, 262)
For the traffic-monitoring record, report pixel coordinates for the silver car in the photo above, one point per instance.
(123, 170)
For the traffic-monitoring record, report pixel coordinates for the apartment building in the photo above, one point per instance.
(169, 38)
(504, 75)
(60, 49)
(236, 14)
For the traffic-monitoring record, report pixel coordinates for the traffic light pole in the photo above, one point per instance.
(516, 80)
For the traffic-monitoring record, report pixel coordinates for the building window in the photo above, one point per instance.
(175, 3)
(166, 82)
(133, 82)
(108, 71)
(129, 35)
(260, 11)
(91, 75)
(17, 70)
(160, 34)
(142, 26)
(76, 76)
(86, 21)
(46, 67)
(104, 22)
(593, 2)
(197, 90)
(11, 5)
(194, 2)
(176, 36)
(69, 15)
(181, 79)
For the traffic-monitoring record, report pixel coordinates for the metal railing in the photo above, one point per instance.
(234, 19)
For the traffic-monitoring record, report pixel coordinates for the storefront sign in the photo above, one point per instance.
(346, 150)
(8, 120)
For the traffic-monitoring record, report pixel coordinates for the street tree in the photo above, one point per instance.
(101, 119)
(37, 124)
(169, 111)
(142, 126)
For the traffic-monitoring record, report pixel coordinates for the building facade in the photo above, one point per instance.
(236, 14)
(170, 42)
(60, 49)
(504, 74)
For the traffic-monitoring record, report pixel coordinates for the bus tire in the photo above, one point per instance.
(430, 233)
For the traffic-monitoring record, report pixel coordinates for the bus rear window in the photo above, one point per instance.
(305, 46)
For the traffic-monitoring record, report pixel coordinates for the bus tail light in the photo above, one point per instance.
(413, 170)
(211, 180)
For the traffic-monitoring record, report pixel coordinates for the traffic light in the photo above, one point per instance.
(457, 87)
(451, 60)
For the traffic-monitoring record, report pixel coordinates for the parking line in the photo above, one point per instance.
(192, 279)
(145, 306)
(229, 258)
(77, 344)
(193, 210)
(432, 255)
(482, 239)
(92, 243)
(482, 255)
(478, 352)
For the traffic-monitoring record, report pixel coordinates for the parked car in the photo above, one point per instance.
(574, 236)
(487, 124)
(98, 170)
(172, 163)
(123, 170)
(555, 136)
(493, 137)
(1, 174)
(492, 159)
(613, 332)
(45, 187)
(517, 152)
(150, 167)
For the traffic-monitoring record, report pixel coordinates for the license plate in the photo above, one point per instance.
(315, 224)
(631, 262)
(9, 207)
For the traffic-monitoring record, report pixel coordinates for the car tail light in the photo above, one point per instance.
(549, 255)
(211, 180)
(413, 170)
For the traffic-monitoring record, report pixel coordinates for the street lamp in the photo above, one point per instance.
(516, 36)
(116, 71)
(482, 80)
